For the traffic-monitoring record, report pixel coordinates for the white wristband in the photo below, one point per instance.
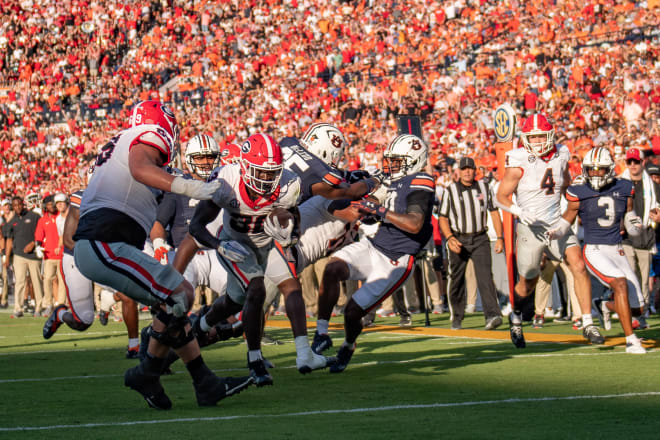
(514, 209)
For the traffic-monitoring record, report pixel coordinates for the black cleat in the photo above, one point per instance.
(341, 361)
(148, 386)
(592, 333)
(213, 389)
(516, 331)
(103, 317)
(321, 342)
(133, 353)
(259, 373)
(53, 323)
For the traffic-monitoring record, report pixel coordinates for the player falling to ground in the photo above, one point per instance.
(117, 212)
(605, 205)
(538, 175)
(385, 261)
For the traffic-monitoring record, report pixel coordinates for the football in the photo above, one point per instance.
(283, 216)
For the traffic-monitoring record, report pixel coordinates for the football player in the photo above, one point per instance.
(249, 192)
(604, 203)
(117, 212)
(80, 292)
(538, 175)
(385, 261)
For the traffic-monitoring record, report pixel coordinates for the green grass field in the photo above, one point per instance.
(400, 384)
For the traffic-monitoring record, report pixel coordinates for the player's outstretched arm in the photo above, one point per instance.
(185, 253)
(355, 191)
(205, 213)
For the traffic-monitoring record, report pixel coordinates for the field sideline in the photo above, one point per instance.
(422, 382)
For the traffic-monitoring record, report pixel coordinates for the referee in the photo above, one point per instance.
(463, 222)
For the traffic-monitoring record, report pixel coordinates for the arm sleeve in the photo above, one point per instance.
(166, 210)
(205, 212)
(420, 201)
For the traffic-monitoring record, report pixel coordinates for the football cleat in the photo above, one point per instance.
(103, 317)
(53, 322)
(493, 323)
(321, 342)
(148, 386)
(313, 362)
(259, 373)
(133, 353)
(213, 389)
(635, 347)
(515, 329)
(538, 322)
(592, 333)
(343, 358)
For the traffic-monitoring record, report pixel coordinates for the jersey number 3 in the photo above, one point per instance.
(548, 183)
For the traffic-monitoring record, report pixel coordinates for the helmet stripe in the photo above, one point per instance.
(269, 145)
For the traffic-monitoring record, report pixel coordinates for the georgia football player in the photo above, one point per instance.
(249, 192)
(385, 261)
(538, 175)
(117, 212)
(604, 203)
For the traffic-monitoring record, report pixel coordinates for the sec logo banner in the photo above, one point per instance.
(504, 123)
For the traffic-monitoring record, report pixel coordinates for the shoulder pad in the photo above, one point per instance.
(422, 181)
(157, 138)
(516, 158)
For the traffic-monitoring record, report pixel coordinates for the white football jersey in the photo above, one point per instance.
(321, 232)
(244, 218)
(539, 188)
(113, 186)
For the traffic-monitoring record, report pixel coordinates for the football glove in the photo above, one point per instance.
(379, 175)
(161, 248)
(284, 236)
(560, 229)
(195, 189)
(367, 207)
(179, 306)
(525, 217)
(357, 175)
(233, 251)
(39, 251)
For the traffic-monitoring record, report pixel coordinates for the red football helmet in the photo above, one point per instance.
(261, 163)
(537, 125)
(155, 112)
(231, 153)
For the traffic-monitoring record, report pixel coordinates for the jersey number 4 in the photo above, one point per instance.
(548, 183)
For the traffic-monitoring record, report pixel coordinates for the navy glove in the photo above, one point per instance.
(368, 207)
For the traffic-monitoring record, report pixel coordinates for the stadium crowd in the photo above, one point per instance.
(71, 71)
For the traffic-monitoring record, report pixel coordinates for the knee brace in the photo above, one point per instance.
(175, 334)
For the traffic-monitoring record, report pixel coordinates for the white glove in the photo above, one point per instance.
(39, 251)
(378, 174)
(632, 223)
(233, 251)
(180, 306)
(161, 248)
(281, 235)
(560, 229)
(195, 189)
(526, 217)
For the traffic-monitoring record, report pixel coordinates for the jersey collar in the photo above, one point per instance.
(260, 202)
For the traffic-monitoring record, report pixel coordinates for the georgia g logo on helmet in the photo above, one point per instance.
(246, 147)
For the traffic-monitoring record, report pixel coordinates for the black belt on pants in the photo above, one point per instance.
(471, 234)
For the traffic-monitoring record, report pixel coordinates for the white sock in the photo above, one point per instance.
(302, 346)
(254, 355)
(632, 339)
(516, 318)
(322, 326)
(587, 320)
(203, 325)
(133, 342)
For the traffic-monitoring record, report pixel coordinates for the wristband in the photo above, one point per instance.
(500, 238)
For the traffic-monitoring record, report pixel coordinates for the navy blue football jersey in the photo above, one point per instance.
(175, 212)
(308, 167)
(414, 193)
(601, 212)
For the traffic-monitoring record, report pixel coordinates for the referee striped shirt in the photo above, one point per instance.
(466, 207)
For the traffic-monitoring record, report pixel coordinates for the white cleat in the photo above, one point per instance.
(635, 348)
(313, 362)
(606, 316)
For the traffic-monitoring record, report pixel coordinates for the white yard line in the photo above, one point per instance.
(513, 400)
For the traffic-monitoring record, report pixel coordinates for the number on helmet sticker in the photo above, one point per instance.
(548, 183)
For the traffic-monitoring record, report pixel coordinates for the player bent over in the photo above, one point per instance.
(604, 203)
(385, 261)
(117, 212)
(538, 175)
